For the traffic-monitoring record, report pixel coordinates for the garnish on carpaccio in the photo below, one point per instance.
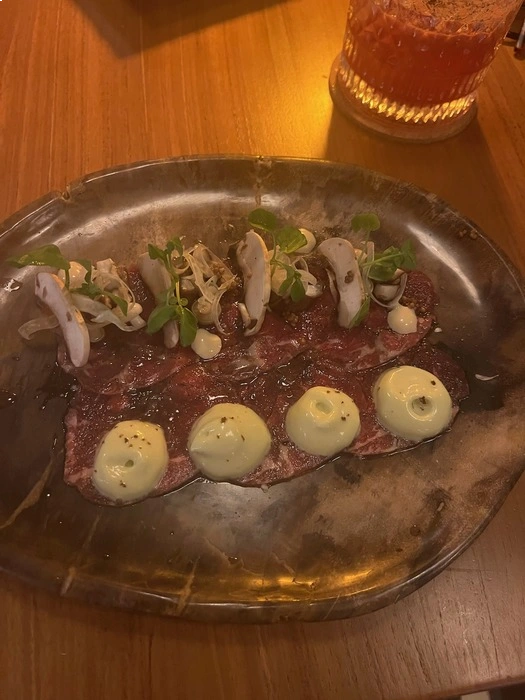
(252, 368)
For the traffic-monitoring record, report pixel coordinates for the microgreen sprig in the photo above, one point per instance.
(89, 289)
(383, 266)
(171, 305)
(287, 240)
(50, 256)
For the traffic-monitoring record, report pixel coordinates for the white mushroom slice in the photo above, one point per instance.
(158, 280)
(331, 284)
(310, 242)
(52, 291)
(106, 266)
(313, 291)
(388, 294)
(203, 310)
(77, 275)
(254, 261)
(341, 256)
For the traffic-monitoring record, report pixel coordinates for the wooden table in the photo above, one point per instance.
(86, 84)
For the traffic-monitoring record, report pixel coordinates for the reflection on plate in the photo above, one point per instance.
(343, 540)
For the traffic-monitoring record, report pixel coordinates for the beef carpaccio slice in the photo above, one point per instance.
(179, 401)
(125, 361)
(172, 404)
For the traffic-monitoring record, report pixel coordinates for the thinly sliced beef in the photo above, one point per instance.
(373, 343)
(174, 405)
(179, 401)
(315, 330)
(133, 376)
(124, 361)
(285, 461)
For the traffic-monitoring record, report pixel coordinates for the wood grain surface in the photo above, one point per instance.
(86, 84)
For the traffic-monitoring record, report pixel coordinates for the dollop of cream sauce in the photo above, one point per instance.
(412, 403)
(228, 441)
(206, 344)
(130, 461)
(402, 320)
(323, 421)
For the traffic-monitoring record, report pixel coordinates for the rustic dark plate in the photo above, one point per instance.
(343, 540)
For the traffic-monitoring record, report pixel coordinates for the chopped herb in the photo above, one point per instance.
(172, 306)
(383, 267)
(366, 222)
(362, 313)
(289, 239)
(48, 255)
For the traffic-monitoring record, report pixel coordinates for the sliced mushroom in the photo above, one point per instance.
(77, 275)
(106, 266)
(52, 291)
(312, 287)
(341, 255)
(158, 280)
(254, 261)
(310, 242)
(203, 310)
(388, 294)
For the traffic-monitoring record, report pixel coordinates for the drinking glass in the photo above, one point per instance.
(410, 68)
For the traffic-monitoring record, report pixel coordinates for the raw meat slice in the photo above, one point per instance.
(132, 376)
(124, 361)
(174, 405)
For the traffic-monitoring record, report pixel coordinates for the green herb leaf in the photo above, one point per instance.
(366, 222)
(160, 315)
(188, 326)
(409, 256)
(289, 239)
(297, 290)
(119, 301)
(89, 267)
(262, 219)
(382, 271)
(362, 313)
(175, 244)
(292, 283)
(385, 264)
(156, 253)
(93, 291)
(287, 283)
(49, 255)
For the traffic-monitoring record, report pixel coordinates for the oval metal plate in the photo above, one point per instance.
(346, 539)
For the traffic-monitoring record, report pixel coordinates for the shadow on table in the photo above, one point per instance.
(443, 168)
(130, 26)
